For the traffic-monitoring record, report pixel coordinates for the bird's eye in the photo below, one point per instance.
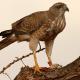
(59, 6)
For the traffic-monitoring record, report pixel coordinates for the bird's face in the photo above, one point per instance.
(59, 8)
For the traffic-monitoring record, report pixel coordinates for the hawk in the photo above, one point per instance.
(36, 27)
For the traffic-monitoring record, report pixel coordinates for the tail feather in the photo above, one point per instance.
(7, 41)
(6, 33)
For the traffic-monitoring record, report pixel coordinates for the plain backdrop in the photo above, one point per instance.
(67, 44)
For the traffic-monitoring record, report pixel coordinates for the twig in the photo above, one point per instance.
(39, 45)
(14, 61)
(7, 76)
(23, 62)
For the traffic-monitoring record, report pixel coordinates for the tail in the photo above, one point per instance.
(6, 33)
(9, 38)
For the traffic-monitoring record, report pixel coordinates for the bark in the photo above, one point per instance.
(69, 72)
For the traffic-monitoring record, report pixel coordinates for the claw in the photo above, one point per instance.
(50, 63)
(55, 66)
(37, 69)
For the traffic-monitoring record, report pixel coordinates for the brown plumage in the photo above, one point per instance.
(39, 26)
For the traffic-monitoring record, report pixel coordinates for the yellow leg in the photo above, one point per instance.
(33, 46)
(49, 61)
(48, 46)
(54, 66)
(37, 69)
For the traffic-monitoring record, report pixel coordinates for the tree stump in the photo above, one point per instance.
(69, 72)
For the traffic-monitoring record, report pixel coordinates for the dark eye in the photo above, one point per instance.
(58, 6)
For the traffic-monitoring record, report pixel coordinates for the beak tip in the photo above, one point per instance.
(67, 9)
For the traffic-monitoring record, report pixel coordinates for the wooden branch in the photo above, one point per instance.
(18, 59)
(69, 72)
(7, 76)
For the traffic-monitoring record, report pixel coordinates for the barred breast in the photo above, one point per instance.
(60, 24)
(50, 29)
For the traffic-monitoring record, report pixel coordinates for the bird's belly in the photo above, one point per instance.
(42, 34)
(48, 36)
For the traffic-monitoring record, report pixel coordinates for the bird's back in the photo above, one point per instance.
(30, 23)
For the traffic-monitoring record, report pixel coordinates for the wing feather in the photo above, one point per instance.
(30, 23)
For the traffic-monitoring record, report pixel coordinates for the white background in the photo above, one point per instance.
(66, 46)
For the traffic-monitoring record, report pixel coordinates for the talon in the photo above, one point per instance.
(37, 69)
(50, 63)
(55, 66)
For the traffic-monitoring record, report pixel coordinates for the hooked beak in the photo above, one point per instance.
(67, 9)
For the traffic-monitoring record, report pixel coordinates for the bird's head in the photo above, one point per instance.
(59, 8)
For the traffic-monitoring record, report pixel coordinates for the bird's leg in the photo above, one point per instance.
(54, 66)
(49, 60)
(49, 45)
(37, 69)
(33, 46)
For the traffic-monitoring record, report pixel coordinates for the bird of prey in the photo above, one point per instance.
(36, 27)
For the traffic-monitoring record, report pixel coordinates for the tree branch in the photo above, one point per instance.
(69, 72)
(18, 59)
